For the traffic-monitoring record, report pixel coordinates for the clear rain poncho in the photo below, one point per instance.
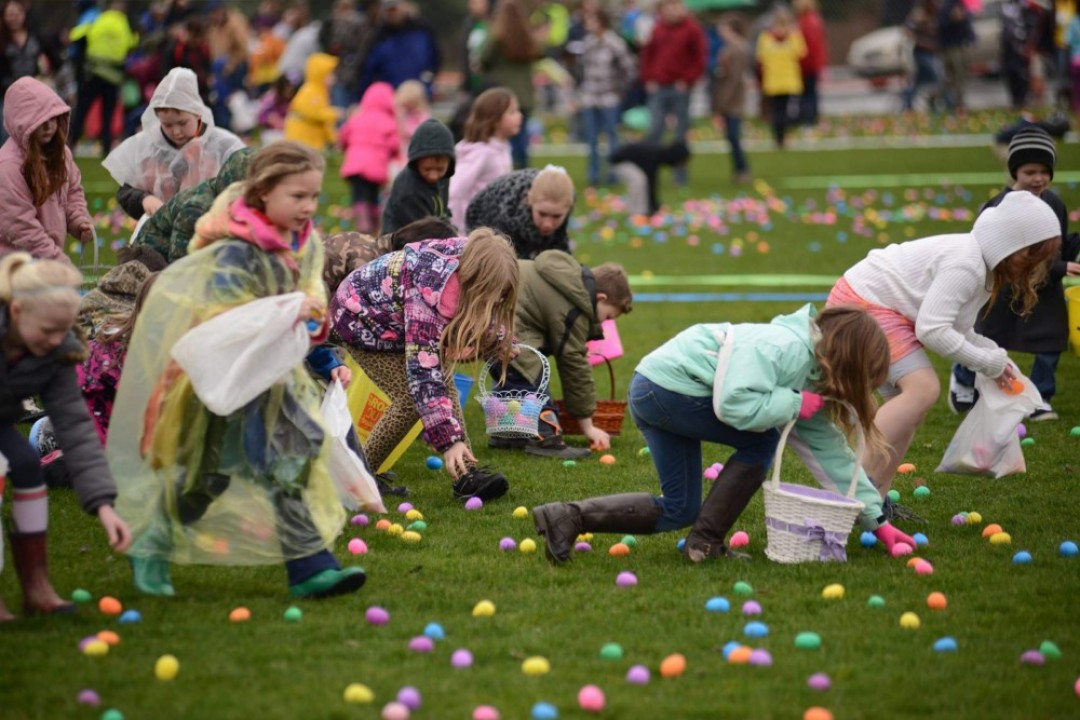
(249, 488)
(149, 162)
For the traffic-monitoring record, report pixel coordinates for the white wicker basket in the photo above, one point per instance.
(513, 413)
(805, 524)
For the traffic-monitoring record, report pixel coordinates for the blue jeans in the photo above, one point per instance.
(597, 121)
(926, 73)
(733, 129)
(668, 100)
(519, 144)
(1043, 375)
(808, 102)
(674, 426)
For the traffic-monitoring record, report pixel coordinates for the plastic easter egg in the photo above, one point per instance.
(360, 519)
(638, 675)
(629, 541)
(461, 658)
(484, 608)
(434, 631)
(507, 544)
(88, 697)
(920, 540)
(582, 547)
(730, 647)
(974, 518)
(607, 459)
(395, 530)
(412, 537)
(410, 697)
(376, 615)
(166, 668)
(108, 637)
(383, 525)
(611, 651)
(711, 473)
(1032, 657)
(395, 711)
(404, 507)
(959, 519)
(905, 468)
(110, 606)
(240, 614)
(739, 655)
(739, 539)
(900, 549)
(717, 604)
(761, 658)
(474, 503)
(991, 529)
(358, 694)
(418, 527)
(293, 614)
(619, 550)
(626, 579)
(544, 711)
(923, 567)
(922, 492)
(1021, 430)
(112, 714)
(751, 607)
(808, 641)
(875, 601)
(817, 713)
(591, 699)
(819, 682)
(434, 462)
(868, 539)
(833, 592)
(1001, 538)
(1075, 432)
(1067, 549)
(414, 514)
(1015, 387)
(521, 512)
(96, 648)
(1023, 557)
(645, 452)
(893, 495)
(1049, 650)
(756, 630)
(673, 665)
(130, 616)
(1076, 685)
(528, 545)
(421, 644)
(680, 544)
(81, 596)
(910, 621)
(536, 665)
(357, 546)
(742, 588)
(936, 601)
(944, 645)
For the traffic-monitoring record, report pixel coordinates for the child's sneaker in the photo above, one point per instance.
(1043, 412)
(384, 482)
(961, 397)
(554, 446)
(482, 483)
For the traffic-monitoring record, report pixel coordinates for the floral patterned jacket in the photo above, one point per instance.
(99, 376)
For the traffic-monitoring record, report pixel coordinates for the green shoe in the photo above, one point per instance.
(329, 583)
(151, 576)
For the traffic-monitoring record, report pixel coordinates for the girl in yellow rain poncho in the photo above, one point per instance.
(251, 487)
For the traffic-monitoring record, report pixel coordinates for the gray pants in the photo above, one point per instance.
(955, 62)
(637, 187)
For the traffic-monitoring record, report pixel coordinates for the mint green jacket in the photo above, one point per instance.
(754, 373)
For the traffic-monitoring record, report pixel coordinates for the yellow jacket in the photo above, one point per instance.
(312, 120)
(779, 58)
(109, 40)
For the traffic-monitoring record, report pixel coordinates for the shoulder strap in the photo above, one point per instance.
(589, 282)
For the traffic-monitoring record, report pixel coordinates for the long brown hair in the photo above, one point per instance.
(484, 322)
(45, 167)
(512, 30)
(853, 355)
(118, 328)
(1023, 272)
(486, 112)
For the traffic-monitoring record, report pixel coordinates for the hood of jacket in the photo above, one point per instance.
(1020, 220)
(319, 67)
(378, 98)
(233, 171)
(563, 273)
(28, 104)
(801, 324)
(430, 139)
(124, 279)
(470, 152)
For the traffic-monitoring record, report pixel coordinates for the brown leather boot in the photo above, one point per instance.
(5, 614)
(31, 564)
(561, 523)
(728, 497)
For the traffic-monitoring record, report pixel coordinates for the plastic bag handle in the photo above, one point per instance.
(774, 480)
(545, 377)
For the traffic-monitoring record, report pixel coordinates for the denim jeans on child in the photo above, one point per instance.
(674, 426)
(733, 130)
(1043, 372)
(597, 121)
(669, 100)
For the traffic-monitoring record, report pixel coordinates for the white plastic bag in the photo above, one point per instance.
(236, 356)
(987, 443)
(355, 485)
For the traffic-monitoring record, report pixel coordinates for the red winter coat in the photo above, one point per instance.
(674, 53)
(812, 28)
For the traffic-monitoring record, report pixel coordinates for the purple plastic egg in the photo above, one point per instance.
(89, 697)
(508, 544)
(409, 697)
(86, 641)
(360, 519)
(377, 615)
(1021, 430)
(638, 675)
(421, 643)
(474, 503)
(761, 658)
(461, 658)
(404, 507)
(819, 681)
(959, 519)
(582, 547)
(1032, 657)
(626, 579)
(751, 607)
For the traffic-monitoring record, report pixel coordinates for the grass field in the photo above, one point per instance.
(791, 222)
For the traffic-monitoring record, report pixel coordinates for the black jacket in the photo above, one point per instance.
(501, 206)
(412, 197)
(650, 157)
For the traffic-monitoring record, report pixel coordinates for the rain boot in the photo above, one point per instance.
(561, 523)
(728, 497)
(551, 442)
(31, 565)
(362, 217)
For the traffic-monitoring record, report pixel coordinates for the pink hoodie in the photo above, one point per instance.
(40, 231)
(477, 164)
(370, 136)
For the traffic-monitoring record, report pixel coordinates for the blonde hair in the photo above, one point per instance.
(38, 283)
(275, 162)
(411, 95)
(486, 113)
(552, 184)
(611, 280)
(853, 355)
(484, 321)
(1023, 272)
(45, 168)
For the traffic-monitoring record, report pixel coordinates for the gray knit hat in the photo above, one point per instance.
(1032, 145)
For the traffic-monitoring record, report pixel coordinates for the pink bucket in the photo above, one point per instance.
(607, 349)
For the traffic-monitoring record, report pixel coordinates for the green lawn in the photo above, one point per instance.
(269, 668)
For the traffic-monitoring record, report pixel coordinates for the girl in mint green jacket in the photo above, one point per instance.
(737, 385)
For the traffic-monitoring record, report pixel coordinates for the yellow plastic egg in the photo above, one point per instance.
(414, 514)
(395, 530)
(411, 536)
(358, 693)
(484, 608)
(910, 621)
(536, 666)
(1001, 538)
(521, 512)
(166, 668)
(528, 545)
(96, 648)
(974, 518)
(833, 592)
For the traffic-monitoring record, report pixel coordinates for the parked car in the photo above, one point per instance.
(886, 52)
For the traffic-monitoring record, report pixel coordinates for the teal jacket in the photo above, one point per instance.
(754, 373)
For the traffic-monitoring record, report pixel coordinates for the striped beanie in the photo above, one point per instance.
(1032, 145)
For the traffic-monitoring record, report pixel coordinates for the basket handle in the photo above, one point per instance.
(545, 377)
(774, 481)
(610, 372)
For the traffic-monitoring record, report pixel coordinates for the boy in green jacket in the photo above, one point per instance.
(561, 305)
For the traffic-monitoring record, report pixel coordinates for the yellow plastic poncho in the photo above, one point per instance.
(249, 488)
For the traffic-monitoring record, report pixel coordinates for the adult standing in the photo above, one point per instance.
(20, 49)
(955, 34)
(671, 62)
(403, 48)
(227, 35)
(346, 36)
(780, 50)
(608, 68)
(922, 31)
(729, 91)
(531, 207)
(812, 64)
(301, 36)
(1021, 21)
(473, 34)
(506, 59)
(109, 41)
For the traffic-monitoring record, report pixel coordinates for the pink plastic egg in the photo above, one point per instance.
(739, 539)
(900, 549)
(591, 699)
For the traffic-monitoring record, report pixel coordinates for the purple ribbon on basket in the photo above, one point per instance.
(832, 544)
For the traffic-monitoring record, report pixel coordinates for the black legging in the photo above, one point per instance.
(778, 110)
(90, 90)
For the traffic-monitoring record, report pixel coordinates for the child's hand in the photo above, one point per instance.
(458, 459)
(151, 204)
(598, 439)
(1005, 379)
(1072, 268)
(115, 528)
(890, 536)
(86, 232)
(311, 309)
(342, 374)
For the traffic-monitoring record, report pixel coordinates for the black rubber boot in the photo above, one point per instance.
(561, 523)
(728, 497)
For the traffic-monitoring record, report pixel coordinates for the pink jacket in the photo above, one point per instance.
(40, 231)
(477, 164)
(370, 136)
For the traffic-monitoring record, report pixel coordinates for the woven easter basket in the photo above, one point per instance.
(608, 415)
(805, 524)
(513, 413)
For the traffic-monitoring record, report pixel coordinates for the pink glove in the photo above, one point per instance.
(889, 536)
(811, 405)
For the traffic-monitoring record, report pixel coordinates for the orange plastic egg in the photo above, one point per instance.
(608, 459)
(239, 614)
(740, 655)
(673, 666)
(991, 529)
(383, 525)
(110, 606)
(817, 713)
(904, 469)
(619, 550)
(936, 601)
(108, 636)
